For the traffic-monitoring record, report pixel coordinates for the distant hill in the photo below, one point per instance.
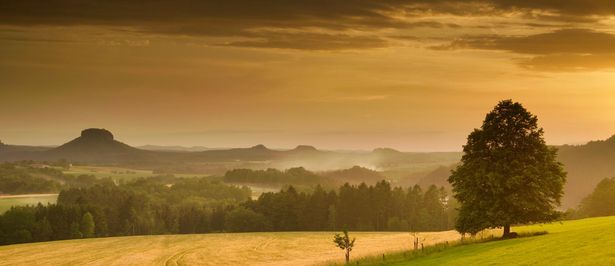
(99, 146)
(586, 166)
(93, 142)
(96, 145)
(438, 177)
(173, 148)
(5, 148)
(355, 175)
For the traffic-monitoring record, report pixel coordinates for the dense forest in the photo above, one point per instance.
(168, 205)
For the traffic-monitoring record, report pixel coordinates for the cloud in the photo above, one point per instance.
(272, 12)
(560, 50)
(311, 41)
(279, 13)
(569, 62)
(18, 39)
(569, 7)
(232, 18)
(340, 19)
(560, 41)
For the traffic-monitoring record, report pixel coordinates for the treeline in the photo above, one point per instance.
(143, 207)
(197, 205)
(367, 208)
(28, 177)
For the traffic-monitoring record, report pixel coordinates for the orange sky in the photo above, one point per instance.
(411, 75)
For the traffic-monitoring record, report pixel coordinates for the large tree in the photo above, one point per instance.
(507, 175)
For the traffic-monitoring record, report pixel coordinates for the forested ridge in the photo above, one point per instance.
(299, 176)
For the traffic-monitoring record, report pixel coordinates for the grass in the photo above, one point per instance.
(580, 242)
(6, 202)
(280, 248)
(117, 173)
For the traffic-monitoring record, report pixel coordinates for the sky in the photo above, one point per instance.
(413, 75)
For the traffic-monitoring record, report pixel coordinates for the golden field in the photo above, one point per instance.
(275, 248)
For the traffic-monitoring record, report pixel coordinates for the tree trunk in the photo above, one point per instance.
(506, 231)
(347, 256)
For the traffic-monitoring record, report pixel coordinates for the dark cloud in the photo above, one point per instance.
(139, 13)
(271, 12)
(242, 18)
(229, 18)
(18, 39)
(566, 49)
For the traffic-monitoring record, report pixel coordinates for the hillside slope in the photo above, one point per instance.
(580, 242)
(586, 166)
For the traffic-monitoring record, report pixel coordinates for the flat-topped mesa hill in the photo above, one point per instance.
(94, 140)
(305, 148)
(95, 145)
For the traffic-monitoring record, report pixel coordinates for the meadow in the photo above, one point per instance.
(6, 202)
(117, 173)
(578, 242)
(276, 248)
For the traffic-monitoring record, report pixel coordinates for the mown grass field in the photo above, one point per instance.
(580, 242)
(27, 199)
(286, 248)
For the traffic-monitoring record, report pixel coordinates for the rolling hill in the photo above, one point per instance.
(98, 146)
(586, 164)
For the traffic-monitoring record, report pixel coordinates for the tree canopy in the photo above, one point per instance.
(601, 202)
(344, 242)
(198, 205)
(508, 175)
